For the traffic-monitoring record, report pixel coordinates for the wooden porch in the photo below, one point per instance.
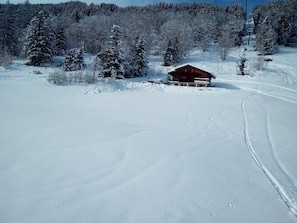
(198, 82)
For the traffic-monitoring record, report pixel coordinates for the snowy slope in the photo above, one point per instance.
(132, 151)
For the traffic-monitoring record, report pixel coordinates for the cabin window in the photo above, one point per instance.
(183, 77)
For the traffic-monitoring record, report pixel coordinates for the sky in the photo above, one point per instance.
(251, 3)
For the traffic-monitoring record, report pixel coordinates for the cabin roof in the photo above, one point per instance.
(181, 68)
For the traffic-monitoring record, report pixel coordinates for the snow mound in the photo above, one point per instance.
(2, 69)
(108, 85)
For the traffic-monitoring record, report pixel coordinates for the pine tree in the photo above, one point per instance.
(229, 34)
(172, 55)
(265, 38)
(39, 40)
(176, 41)
(177, 54)
(204, 30)
(139, 59)
(168, 56)
(74, 60)
(60, 42)
(8, 38)
(113, 60)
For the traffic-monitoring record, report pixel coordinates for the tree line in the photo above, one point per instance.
(275, 24)
(168, 30)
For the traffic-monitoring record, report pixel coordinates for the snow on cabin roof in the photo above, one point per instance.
(188, 65)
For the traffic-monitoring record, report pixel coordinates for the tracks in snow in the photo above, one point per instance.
(271, 90)
(285, 188)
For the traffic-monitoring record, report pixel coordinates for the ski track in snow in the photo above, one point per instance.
(290, 96)
(286, 190)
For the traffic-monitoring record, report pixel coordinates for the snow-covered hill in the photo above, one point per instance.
(132, 151)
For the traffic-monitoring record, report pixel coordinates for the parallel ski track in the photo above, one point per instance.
(288, 98)
(283, 193)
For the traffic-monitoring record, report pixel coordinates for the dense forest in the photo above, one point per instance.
(168, 30)
(275, 24)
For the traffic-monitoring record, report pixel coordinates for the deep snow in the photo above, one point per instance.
(132, 151)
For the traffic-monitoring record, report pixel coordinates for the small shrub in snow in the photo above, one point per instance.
(89, 78)
(57, 77)
(5, 59)
(81, 77)
(258, 64)
(37, 72)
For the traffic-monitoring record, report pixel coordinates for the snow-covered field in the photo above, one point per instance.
(131, 151)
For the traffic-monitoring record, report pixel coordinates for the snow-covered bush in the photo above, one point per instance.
(81, 77)
(258, 64)
(74, 60)
(57, 77)
(89, 78)
(5, 59)
(37, 72)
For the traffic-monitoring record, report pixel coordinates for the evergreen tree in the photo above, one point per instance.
(281, 24)
(74, 60)
(168, 56)
(113, 60)
(60, 45)
(283, 29)
(8, 39)
(177, 51)
(204, 29)
(139, 58)
(172, 54)
(176, 41)
(229, 34)
(39, 40)
(265, 38)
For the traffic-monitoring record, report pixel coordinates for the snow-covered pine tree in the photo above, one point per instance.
(172, 54)
(8, 29)
(168, 56)
(139, 58)
(74, 60)
(229, 34)
(265, 38)
(177, 51)
(176, 41)
(60, 46)
(39, 40)
(204, 29)
(113, 60)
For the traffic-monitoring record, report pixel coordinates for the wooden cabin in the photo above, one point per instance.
(190, 76)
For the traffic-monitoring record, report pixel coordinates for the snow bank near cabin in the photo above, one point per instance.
(140, 86)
